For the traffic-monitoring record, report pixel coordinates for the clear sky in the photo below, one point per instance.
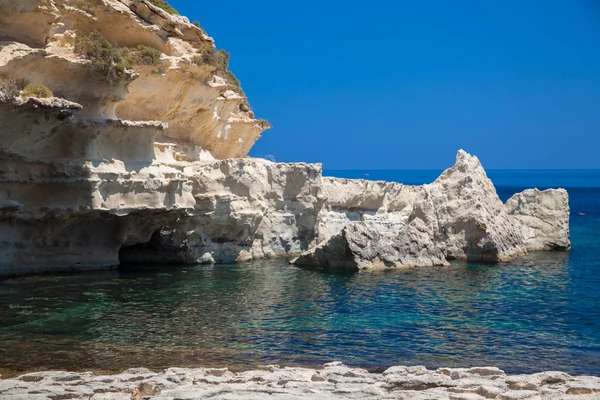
(391, 84)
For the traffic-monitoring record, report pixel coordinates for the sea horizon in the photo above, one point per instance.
(502, 178)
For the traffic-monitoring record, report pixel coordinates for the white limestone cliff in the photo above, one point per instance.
(153, 168)
(243, 209)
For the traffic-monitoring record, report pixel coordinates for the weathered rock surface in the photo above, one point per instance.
(466, 216)
(333, 381)
(543, 218)
(242, 209)
(361, 246)
(200, 107)
(458, 216)
(151, 168)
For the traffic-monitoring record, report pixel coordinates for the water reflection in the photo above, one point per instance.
(529, 315)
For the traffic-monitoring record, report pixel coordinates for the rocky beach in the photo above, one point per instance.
(333, 381)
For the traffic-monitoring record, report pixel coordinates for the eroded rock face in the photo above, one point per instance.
(465, 215)
(364, 246)
(105, 165)
(461, 211)
(458, 216)
(199, 106)
(244, 209)
(379, 203)
(96, 214)
(543, 218)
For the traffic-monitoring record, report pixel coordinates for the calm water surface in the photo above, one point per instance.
(537, 313)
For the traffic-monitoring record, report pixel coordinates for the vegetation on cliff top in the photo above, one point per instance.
(86, 6)
(37, 90)
(9, 87)
(220, 60)
(165, 6)
(12, 89)
(111, 60)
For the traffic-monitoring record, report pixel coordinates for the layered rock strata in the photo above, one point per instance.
(152, 167)
(242, 209)
(203, 110)
(333, 381)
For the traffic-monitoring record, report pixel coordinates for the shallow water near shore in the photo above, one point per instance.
(540, 312)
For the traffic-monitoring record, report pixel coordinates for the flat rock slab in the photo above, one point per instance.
(333, 381)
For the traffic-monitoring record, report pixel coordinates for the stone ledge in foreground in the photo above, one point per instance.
(334, 381)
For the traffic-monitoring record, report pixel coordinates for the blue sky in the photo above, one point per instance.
(403, 84)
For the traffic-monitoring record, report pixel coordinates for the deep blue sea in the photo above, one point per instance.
(540, 312)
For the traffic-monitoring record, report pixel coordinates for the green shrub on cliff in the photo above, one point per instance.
(111, 60)
(230, 77)
(86, 6)
(197, 60)
(220, 60)
(197, 25)
(37, 90)
(165, 6)
(104, 56)
(140, 55)
(9, 87)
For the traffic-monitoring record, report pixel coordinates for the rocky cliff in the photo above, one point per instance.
(135, 151)
(186, 88)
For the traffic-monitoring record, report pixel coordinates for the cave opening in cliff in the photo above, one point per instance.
(162, 248)
(141, 253)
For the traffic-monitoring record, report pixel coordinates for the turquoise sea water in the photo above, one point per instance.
(540, 312)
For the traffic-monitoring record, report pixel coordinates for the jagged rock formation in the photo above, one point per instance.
(458, 214)
(150, 167)
(543, 217)
(333, 381)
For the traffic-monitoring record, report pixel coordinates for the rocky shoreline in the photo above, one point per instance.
(333, 381)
